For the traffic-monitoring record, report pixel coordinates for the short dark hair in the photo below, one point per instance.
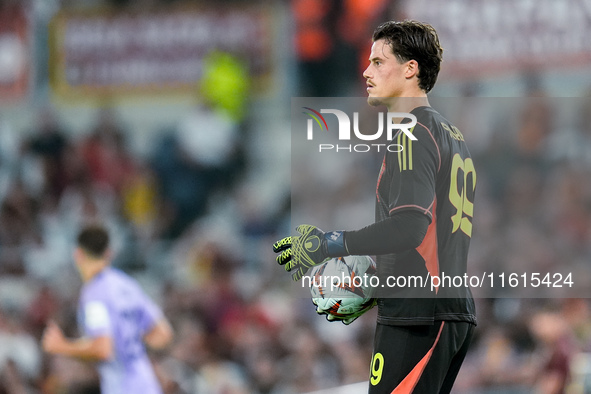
(414, 40)
(94, 240)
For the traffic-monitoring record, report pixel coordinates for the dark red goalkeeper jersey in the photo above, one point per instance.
(433, 175)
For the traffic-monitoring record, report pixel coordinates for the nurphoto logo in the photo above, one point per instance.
(395, 123)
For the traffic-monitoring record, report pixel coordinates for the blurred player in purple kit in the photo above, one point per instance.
(117, 318)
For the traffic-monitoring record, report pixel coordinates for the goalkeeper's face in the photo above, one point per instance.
(385, 76)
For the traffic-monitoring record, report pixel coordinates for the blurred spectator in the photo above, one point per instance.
(85, 201)
(11, 381)
(310, 365)
(536, 123)
(571, 144)
(44, 307)
(209, 138)
(140, 202)
(65, 375)
(193, 163)
(183, 185)
(225, 84)
(557, 351)
(17, 228)
(314, 44)
(20, 358)
(576, 314)
(106, 156)
(331, 38)
(49, 143)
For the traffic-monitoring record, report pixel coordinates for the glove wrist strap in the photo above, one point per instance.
(335, 244)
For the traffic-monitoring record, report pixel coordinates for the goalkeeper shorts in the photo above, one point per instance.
(418, 359)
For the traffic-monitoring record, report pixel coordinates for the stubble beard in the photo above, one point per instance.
(375, 101)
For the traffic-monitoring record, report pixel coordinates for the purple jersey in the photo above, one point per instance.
(113, 304)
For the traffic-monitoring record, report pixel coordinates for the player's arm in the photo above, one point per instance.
(160, 335)
(94, 349)
(402, 231)
(158, 332)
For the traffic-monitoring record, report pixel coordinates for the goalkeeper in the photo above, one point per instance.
(423, 224)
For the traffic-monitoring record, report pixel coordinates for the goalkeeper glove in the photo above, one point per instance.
(311, 248)
(346, 320)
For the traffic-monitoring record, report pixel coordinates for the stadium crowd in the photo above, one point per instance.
(193, 233)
